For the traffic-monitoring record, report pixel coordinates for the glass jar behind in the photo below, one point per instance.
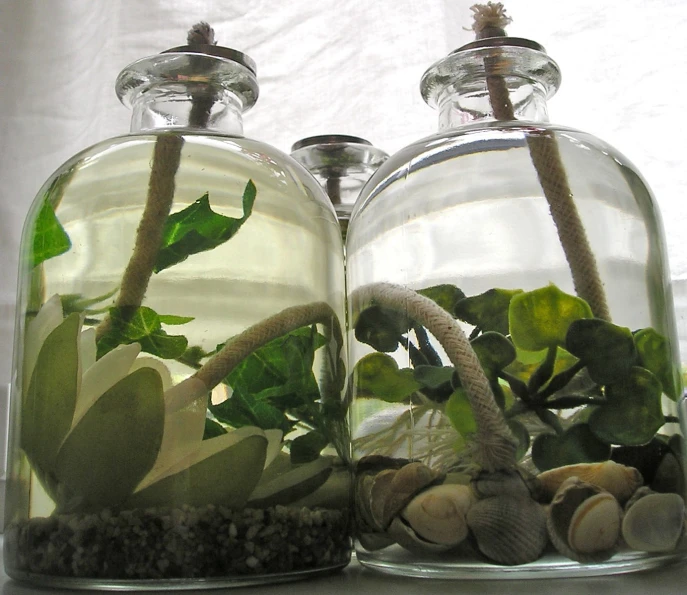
(177, 418)
(342, 165)
(516, 385)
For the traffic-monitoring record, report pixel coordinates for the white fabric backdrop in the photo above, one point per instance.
(332, 66)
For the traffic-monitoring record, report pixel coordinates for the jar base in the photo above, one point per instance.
(42, 580)
(396, 561)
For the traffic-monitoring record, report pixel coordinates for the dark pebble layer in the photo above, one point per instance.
(212, 541)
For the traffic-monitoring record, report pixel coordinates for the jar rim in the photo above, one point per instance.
(223, 68)
(513, 56)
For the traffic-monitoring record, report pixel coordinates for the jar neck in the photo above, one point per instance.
(492, 79)
(202, 107)
(476, 103)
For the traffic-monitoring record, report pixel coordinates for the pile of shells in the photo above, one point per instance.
(586, 511)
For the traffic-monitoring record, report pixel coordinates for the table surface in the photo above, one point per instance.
(356, 580)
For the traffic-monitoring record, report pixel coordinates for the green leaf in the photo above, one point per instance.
(578, 444)
(198, 228)
(607, 350)
(240, 410)
(446, 296)
(284, 482)
(434, 377)
(50, 399)
(115, 444)
(174, 320)
(213, 429)
(487, 311)
(540, 319)
(655, 355)
(307, 447)
(381, 328)
(522, 436)
(632, 412)
(459, 413)
(143, 326)
(494, 351)
(49, 237)
(377, 376)
(222, 471)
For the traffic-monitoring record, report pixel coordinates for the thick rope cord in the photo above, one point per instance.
(494, 446)
(261, 333)
(165, 163)
(489, 21)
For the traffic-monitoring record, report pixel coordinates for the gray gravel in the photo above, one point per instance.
(186, 542)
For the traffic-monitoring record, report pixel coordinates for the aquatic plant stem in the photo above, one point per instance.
(166, 158)
(489, 21)
(494, 446)
(261, 333)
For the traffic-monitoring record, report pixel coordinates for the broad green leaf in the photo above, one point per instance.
(197, 228)
(577, 444)
(381, 328)
(307, 447)
(446, 296)
(221, 471)
(540, 319)
(284, 482)
(433, 376)
(459, 413)
(494, 351)
(143, 326)
(49, 237)
(240, 410)
(607, 349)
(115, 444)
(377, 376)
(281, 368)
(655, 356)
(50, 398)
(487, 311)
(213, 429)
(632, 413)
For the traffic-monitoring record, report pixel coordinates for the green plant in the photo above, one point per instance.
(589, 383)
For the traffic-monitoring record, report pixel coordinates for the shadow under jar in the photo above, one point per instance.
(515, 378)
(176, 417)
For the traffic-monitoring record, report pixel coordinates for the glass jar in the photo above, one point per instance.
(177, 418)
(341, 164)
(515, 378)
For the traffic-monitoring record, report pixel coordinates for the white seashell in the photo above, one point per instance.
(438, 513)
(584, 521)
(595, 524)
(619, 480)
(654, 523)
(406, 537)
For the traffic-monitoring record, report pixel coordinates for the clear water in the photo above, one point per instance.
(466, 208)
(288, 253)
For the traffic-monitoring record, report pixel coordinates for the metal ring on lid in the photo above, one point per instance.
(328, 139)
(218, 51)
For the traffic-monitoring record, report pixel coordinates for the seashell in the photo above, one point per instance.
(407, 538)
(595, 524)
(500, 483)
(407, 481)
(374, 541)
(584, 521)
(669, 476)
(437, 514)
(378, 494)
(619, 480)
(508, 530)
(654, 522)
(364, 518)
